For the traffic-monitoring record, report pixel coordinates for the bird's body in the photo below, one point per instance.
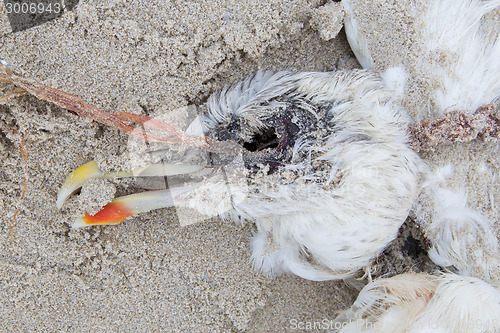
(332, 190)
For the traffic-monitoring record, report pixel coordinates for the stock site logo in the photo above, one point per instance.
(25, 14)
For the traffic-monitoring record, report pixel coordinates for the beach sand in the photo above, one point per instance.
(148, 273)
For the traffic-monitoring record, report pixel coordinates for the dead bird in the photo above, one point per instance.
(320, 162)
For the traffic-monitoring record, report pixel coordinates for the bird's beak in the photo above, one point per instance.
(76, 179)
(121, 208)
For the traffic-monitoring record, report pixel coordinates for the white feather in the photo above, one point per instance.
(395, 79)
(424, 303)
(459, 235)
(453, 59)
(461, 55)
(357, 41)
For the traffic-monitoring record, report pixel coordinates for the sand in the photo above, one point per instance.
(148, 273)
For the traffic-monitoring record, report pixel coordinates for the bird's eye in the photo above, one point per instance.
(262, 140)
